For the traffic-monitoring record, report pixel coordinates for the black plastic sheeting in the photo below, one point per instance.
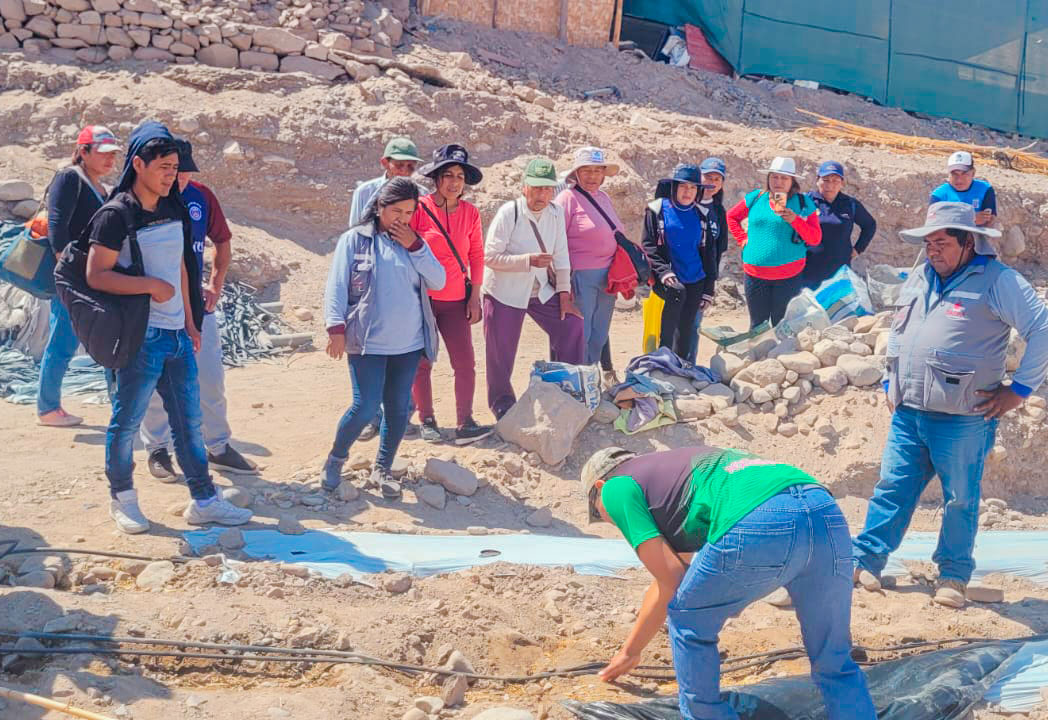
(941, 685)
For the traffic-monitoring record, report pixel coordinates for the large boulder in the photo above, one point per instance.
(15, 191)
(720, 395)
(452, 476)
(727, 365)
(860, 371)
(831, 379)
(764, 372)
(279, 40)
(545, 420)
(218, 55)
(802, 363)
(319, 68)
(829, 350)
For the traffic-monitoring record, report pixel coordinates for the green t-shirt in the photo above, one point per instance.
(691, 496)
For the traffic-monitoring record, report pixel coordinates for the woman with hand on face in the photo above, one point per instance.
(782, 224)
(378, 311)
(683, 260)
(450, 226)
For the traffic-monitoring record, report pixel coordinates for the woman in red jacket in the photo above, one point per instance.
(450, 226)
(782, 224)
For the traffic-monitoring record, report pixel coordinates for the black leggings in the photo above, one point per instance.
(767, 299)
(678, 316)
(605, 357)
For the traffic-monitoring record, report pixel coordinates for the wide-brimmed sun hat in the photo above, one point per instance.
(783, 166)
(587, 156)
(452, 155)
(600, 464)
(956, 216)
(685, 172)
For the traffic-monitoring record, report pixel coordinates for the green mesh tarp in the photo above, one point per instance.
(972, 60)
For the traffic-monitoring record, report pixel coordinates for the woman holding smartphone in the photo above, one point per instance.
(378, 312)
(782, 224)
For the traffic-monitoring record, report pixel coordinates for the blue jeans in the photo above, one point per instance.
(597, 307)
(378, 379)
(211, 377)
(61, 347)
(921, 445)
(165, 363)
(798, 539)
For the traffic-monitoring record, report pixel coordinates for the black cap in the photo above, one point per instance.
(185, 156)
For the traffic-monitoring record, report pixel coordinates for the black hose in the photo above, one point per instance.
(587, 669)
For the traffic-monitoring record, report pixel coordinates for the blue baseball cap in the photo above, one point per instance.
(713, 164)
(831, 167)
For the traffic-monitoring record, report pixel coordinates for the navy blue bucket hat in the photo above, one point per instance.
(685, 172)
(452, 155)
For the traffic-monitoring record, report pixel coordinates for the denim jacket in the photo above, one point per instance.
(349, 298)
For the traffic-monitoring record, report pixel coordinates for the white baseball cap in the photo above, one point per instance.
(783, 166)
(960, 160)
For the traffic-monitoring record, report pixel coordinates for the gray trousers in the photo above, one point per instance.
(156, 433)
(597, 307)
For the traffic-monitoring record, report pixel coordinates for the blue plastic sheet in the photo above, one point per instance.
(1019, 687)
(332, 552)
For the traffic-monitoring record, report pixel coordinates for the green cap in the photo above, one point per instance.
(540, 173)
(401, 148)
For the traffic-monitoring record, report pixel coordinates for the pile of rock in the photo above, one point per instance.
(285, 36)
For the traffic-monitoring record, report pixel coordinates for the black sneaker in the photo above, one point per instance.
(232, 462)
(412, 430)
(369, 432)
(470, 432)
(429, 431)
(161, 467)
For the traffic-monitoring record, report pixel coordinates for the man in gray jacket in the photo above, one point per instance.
(944, 379)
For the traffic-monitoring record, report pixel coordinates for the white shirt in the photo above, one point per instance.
(508, 274)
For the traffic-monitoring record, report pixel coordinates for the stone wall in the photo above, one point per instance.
(284, 36)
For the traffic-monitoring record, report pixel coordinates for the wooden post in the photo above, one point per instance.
(51, 704)
(562, 33)
(616, 27)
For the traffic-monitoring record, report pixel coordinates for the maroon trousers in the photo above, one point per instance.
(454, 328)
(502, 326)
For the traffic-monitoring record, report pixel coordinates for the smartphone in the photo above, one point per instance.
(779, 199)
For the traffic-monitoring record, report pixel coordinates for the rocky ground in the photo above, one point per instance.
(284, 152)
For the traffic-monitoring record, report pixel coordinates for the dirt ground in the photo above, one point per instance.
(303, 145)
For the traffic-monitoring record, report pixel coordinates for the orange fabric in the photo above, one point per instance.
(622, 276)
(38, 226)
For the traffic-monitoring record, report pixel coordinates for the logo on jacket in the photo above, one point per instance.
(956, 310)
(196, 212)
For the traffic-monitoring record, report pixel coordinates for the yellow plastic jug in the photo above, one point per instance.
(652, 323)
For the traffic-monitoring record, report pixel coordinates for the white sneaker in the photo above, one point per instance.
(125, 511)
(219, 511)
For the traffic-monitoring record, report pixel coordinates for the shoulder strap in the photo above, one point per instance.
(598, 207)
(538, 236)
(447, 237)
(749, 206)
(516, 214)
(128, 215)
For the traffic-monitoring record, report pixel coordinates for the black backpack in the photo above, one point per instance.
(111, 327)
